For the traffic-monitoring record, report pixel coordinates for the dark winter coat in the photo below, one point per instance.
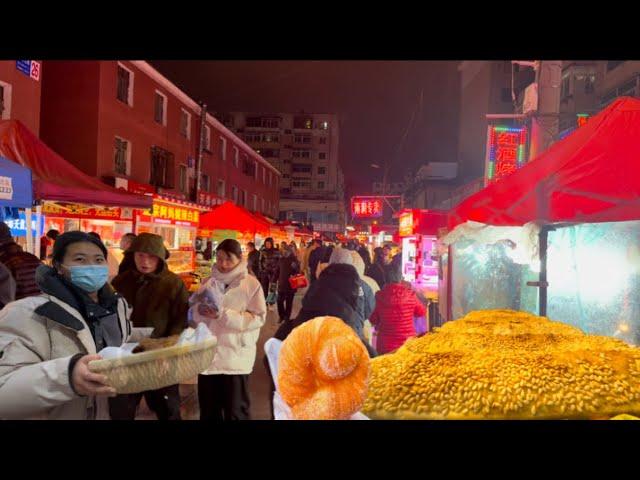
(253, 263)
(160, 300)
(287, 266)
(366, 301)
(377, 272)
(335, 294)
(22, 266)
(269, 260)
(396, 305)
(315, 258)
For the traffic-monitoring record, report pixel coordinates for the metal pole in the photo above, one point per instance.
(27, 213)
(542, 289)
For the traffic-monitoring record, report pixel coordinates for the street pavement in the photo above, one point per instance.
(259, 384)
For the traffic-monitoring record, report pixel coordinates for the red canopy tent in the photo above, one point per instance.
(56, 179)
(593, 175)
(229, 216)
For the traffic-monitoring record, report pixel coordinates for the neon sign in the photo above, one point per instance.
(366, 207)
(505, 151)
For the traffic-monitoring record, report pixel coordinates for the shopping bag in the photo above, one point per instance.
(298, 281)
(272, 296)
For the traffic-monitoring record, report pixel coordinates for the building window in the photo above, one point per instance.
(270, 138)
(234, 194)
(263, 122)
(303, 122)
(205, 183)
(5, 101)
(160, 108)
(262, 202)
(322, 156)
(248, 166)
(207, 138)
(301, 154)
(185, 123)
(183, 183)
(221, 190)
(162, 168)
(611, 64)
(300, 168)
(243, 198)
(125, 85)
(324, 125)
(270, 179)
(300, 182)
(565, 86)
(322, 170)
(122, 156)
(269, 152)
(300, 138)
(323, 140)
(589, 84)
(255, 203)
(320, 185)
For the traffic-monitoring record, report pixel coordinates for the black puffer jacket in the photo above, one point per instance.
(269, 259)
(335, 294)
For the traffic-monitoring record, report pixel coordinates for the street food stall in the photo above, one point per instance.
(16, 199)
(419, 231)
(65, 192)
(177, 223)
(560, 236)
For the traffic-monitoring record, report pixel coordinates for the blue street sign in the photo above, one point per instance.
(24, 66)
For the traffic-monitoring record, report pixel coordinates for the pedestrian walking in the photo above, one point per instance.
(287, 267)
(21, 264)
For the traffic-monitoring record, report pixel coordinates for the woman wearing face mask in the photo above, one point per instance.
(47, 341)
(223, 389)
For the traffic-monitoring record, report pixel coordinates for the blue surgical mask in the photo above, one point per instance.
(89, 278)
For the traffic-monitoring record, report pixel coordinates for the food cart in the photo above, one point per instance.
(560, 236)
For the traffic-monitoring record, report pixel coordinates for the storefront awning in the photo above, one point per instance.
(593, 175)
(229, 216)
(56, 179)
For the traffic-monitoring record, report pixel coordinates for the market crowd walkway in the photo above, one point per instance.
(258, 381)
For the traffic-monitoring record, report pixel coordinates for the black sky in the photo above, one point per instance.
(374, 99)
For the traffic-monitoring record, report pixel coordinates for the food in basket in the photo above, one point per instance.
(147, 344)
(501, 364)
(323, 370)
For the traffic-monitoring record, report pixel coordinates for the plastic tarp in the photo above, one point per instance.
(229, 216)
(593, 175)
(428, 222)
(16, 189)
(56, 179)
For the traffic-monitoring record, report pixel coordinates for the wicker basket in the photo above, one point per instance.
(156, 368)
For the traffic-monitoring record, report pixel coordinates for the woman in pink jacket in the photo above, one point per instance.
(396, 305)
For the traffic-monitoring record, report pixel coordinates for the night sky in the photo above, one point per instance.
(374, 99)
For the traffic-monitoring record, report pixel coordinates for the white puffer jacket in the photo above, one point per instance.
(35, 351)
(238, 325)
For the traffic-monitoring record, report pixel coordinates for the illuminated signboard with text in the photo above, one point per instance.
(505, 151)
(366, 207)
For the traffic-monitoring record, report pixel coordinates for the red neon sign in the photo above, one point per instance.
(366, 207)
(505, 151)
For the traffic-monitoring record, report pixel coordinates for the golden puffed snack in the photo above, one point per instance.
(501, 364)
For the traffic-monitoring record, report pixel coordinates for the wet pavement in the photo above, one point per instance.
(259, 384)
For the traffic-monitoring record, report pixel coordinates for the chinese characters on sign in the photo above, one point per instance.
(366, 207)
(6, 188)
(174, 213)
(405, 228)
(505, 151)
(70, 210)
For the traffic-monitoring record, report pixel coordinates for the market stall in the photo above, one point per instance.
(419, 231)
(177, 223)
(69, 196)
(560, 235)
(231, 221)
